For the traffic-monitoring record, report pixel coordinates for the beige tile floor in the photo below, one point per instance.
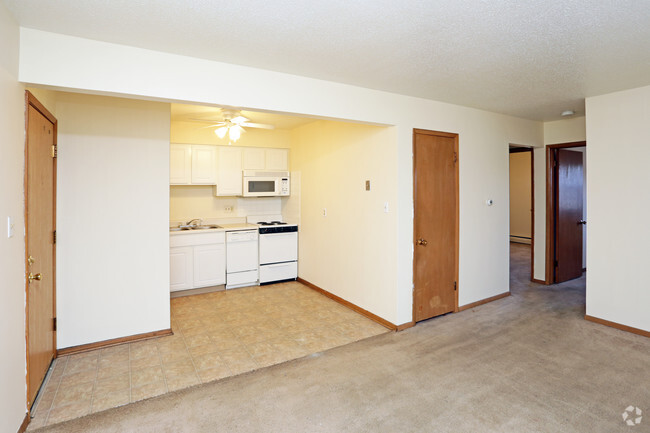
(216, 335)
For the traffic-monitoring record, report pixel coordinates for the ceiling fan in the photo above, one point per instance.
(233, 124)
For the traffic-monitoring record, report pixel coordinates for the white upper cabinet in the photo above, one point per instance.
(264, 158)
(277, 159)
(180, 164)
(254, 158)
(204, 164)
(229, 171)
(192, 164)
(201, 164)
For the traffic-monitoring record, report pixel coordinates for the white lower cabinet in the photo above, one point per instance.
(209, 265)
(181, 268)
(197, 260)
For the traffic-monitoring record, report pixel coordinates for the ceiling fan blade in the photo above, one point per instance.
(256, 125)
(195, 119)
(214, 126)
(239, 119)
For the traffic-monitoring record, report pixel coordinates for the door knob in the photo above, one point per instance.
(422, 242)
(583, 222)
(31, 277)
(31, 260)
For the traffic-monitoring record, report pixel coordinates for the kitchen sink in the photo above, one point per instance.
(201, 227)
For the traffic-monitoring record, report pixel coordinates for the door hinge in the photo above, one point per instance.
(455, 285)
(54, 324)
(54, 150)
(555, 263)
(54, 236)
(455, 157)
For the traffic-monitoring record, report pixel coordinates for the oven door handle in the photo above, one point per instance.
(277, 265)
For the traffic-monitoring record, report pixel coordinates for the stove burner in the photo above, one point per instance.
(271, 223)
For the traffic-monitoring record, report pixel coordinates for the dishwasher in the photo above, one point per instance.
(241, 258)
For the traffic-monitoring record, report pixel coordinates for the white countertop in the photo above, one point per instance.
(222, 228)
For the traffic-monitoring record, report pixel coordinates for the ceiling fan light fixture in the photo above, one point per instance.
(235, 132)
(566, 113)
(221, 132)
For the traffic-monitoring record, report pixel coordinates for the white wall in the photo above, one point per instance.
(618, 134)
(68, 62)
(12, 250)
(520, 197)
(112, 225)
(556, 132)
(348, 252)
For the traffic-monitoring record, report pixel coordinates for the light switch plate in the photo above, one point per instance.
(367, 185)
(10, 227)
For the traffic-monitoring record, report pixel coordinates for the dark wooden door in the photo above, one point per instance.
(40, 199)
(436, 224)
(568, 215)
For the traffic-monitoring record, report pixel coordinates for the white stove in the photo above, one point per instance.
(278, 248)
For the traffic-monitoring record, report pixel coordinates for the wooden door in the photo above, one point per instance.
(40, 211)
(568, 215)
(436, 224)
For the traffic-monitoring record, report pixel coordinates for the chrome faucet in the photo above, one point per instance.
(196, 221)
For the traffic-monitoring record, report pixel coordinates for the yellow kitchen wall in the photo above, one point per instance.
(350, 250)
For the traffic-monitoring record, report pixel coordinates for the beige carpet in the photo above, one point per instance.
(526, 363)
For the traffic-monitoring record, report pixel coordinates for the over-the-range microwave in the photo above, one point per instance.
(266, 183)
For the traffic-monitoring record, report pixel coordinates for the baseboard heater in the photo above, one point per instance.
(520, 239)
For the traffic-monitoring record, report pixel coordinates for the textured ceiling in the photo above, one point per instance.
(531, 59)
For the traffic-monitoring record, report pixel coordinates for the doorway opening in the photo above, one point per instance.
(522, 206)
(566, 217)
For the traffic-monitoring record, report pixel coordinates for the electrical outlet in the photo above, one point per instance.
(367, 185)
(324, 211)
(228, 209)
(386, 207)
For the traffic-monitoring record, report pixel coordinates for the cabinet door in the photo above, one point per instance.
(254, 158)
(209, 265)
(203, 165)
(180, 164)
(277, 159)
(181, 268)
(229, 171)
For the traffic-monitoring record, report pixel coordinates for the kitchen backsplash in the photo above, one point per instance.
(198, 201)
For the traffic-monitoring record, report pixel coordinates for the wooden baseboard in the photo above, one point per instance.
(534, 280)
(113, 342)
(23, 426)
(483, 301)
(617, 326)
(404, 326)
(350, 305)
